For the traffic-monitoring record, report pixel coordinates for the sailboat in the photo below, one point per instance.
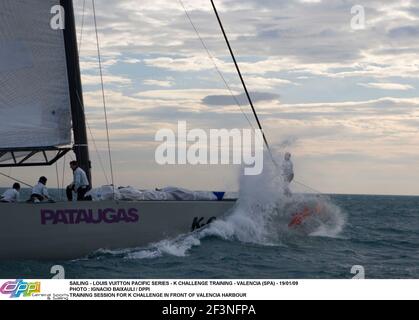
(41, 106)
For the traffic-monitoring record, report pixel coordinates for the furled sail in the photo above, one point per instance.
(35, 108)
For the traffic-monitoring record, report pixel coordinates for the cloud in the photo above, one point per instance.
(387, 86)
(265, 83)
(108, 79)
(190, 63)
(228, 100)
(179, 94)
(132, 61)
(404, 32)
(158, 83)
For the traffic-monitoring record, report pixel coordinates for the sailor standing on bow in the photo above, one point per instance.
(80, 183)
(287, 173)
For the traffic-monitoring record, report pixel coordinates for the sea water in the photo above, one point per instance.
(379, 233)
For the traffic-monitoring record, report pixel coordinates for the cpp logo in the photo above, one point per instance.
(20, 288)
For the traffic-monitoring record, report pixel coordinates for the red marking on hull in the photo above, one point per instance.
(300, 217)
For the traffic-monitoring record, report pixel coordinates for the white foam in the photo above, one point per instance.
(264, 212)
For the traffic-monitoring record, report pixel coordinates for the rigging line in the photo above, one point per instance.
(97, 152)
(17, 180)
(82, 25)
(58, 176)
(242, 81)
(239, 72)
(310, 188)
(94, 143)
(215, 63)
(241, 78)
(78, 97)
(62, 181)
(103, 97)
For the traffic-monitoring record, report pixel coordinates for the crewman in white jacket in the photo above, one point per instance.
(40, 191)
(287, 173)
(11, 195)
(80, 183)
(288, 168)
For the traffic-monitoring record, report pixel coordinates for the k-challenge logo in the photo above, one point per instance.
(19, 288)
(89, 216)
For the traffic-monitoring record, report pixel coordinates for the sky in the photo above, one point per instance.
(344, 101)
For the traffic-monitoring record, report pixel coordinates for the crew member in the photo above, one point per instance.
(287, 173)
(40, 191)
(80, 183)
(288, 168)
(11, 195)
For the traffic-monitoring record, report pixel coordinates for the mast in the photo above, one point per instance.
(81, 148)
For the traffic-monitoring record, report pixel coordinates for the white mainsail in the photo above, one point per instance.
(35, 108)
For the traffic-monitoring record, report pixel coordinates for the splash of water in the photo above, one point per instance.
(264, 212)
